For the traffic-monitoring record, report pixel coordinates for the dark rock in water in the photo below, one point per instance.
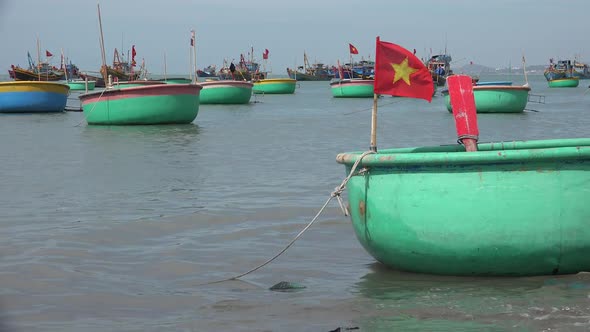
(286, 286)
(342, 329)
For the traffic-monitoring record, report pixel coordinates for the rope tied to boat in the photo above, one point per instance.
(93, 106)
(336, 193)
(340, 189)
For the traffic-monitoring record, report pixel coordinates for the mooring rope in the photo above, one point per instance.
(336, 193)
(93, 106)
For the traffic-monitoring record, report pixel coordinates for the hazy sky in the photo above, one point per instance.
(489, 32)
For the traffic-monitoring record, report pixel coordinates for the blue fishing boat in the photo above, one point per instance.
(33, 96)
(440, 68)
(556, 71)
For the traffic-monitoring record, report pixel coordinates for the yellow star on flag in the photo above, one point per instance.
(403, 71)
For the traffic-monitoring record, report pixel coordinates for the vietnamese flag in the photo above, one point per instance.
(398, 72)
(265, 54)
(353, 49)
(47, 53)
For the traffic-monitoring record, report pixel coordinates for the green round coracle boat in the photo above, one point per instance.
(226, 92)
(496, 98)
(509, 209)
(570, 82)
(274, 86)
(142, 105)
(352, 88)
(81, 85)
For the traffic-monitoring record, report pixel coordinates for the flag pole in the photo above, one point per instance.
(194, 34)
(190, 63)
(373, 146)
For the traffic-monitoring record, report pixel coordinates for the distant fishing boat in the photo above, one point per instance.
(226, 92)
(440, 68)
(566, 69)
(42, 71)
(580, 70)
(274, 86)
(313, 72)
(33, 97)
(566, 82)
(496, 98)
(209, 71)
(352, 88)
(246, 70)
(120, 70)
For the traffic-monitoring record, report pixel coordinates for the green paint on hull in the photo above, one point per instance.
(352, 91)
(81, 85)
(143, 110)
(510, 209)
(496, 100)
(275, 86)
(564, 83)
(226, 94)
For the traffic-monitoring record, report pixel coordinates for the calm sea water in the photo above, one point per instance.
(117, 228)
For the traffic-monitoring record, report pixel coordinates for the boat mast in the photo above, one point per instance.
(165, 72)
(38, 60)
(526, 80)
(103, 68)
(63, 64)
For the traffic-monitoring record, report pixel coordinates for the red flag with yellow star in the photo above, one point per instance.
(398, 72)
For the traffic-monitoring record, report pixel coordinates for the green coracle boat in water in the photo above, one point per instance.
(509, 209)
(226, 92)
(78, 85)
(500, 98)
(569, 82)
(142, 105)
(352, 88)
(275, 86)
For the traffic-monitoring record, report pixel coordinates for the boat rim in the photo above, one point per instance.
(488, 153)
(139, 88)
(494, 87)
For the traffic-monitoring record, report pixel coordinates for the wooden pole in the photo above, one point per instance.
(38, 60)
(165, 71)
(526, 80)
(190, 65)
(103, 68)
(373, 146)
(195, 55)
